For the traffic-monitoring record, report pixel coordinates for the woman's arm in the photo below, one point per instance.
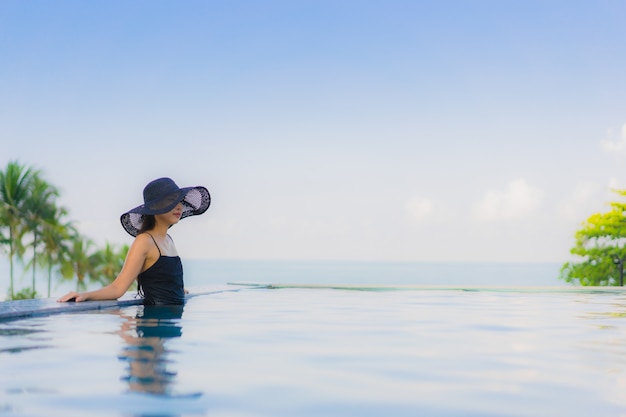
(133, 265)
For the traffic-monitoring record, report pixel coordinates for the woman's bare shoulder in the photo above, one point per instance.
(143, 241)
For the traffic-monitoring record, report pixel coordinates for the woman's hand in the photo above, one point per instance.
(72, 296)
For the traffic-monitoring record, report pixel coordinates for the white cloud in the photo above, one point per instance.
(517, 200)
(615, 184)
(419, 208)
(617, 146)
(581, 201)
(588, 198)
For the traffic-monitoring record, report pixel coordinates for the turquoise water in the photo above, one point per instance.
(476, 351)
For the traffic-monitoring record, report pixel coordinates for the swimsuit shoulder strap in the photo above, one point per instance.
(159, 249)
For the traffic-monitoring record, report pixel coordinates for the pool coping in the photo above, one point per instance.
(20, 309)
(11, 310)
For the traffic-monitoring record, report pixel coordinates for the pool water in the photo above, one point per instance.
(326, 352)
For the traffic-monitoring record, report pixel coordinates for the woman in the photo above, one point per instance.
(152, 258)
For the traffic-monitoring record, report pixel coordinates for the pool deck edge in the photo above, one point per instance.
(20, 309)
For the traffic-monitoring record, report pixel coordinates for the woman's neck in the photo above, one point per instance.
(160, 230)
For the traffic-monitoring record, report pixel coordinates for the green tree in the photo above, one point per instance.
(15, 186)
(81, 262)
(29, 213)
(109, 262)
(87, 264)
(601, 244)
(56, 237)
(39, 210)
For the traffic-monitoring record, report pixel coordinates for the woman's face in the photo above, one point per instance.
(172, 216)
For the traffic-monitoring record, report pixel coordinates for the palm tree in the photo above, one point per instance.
(39, 209)
(80, 262)
(109, 263)
(15, 185)
(56, 237)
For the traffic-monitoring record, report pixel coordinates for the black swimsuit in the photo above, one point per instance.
(162, 283)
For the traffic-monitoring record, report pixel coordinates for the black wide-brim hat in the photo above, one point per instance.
(161, 196)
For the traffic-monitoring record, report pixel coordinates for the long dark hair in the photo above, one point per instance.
(147, 223)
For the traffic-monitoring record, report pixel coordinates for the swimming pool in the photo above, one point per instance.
(432, 351)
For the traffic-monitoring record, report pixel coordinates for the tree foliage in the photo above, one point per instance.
(601, 243)
(39, 212)
(16, 183)
(31, 222)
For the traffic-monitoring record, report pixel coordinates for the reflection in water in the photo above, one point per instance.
(148, 360)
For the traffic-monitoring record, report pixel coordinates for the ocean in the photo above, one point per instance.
(383, 273)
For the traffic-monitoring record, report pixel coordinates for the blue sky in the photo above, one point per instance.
(356, 130)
